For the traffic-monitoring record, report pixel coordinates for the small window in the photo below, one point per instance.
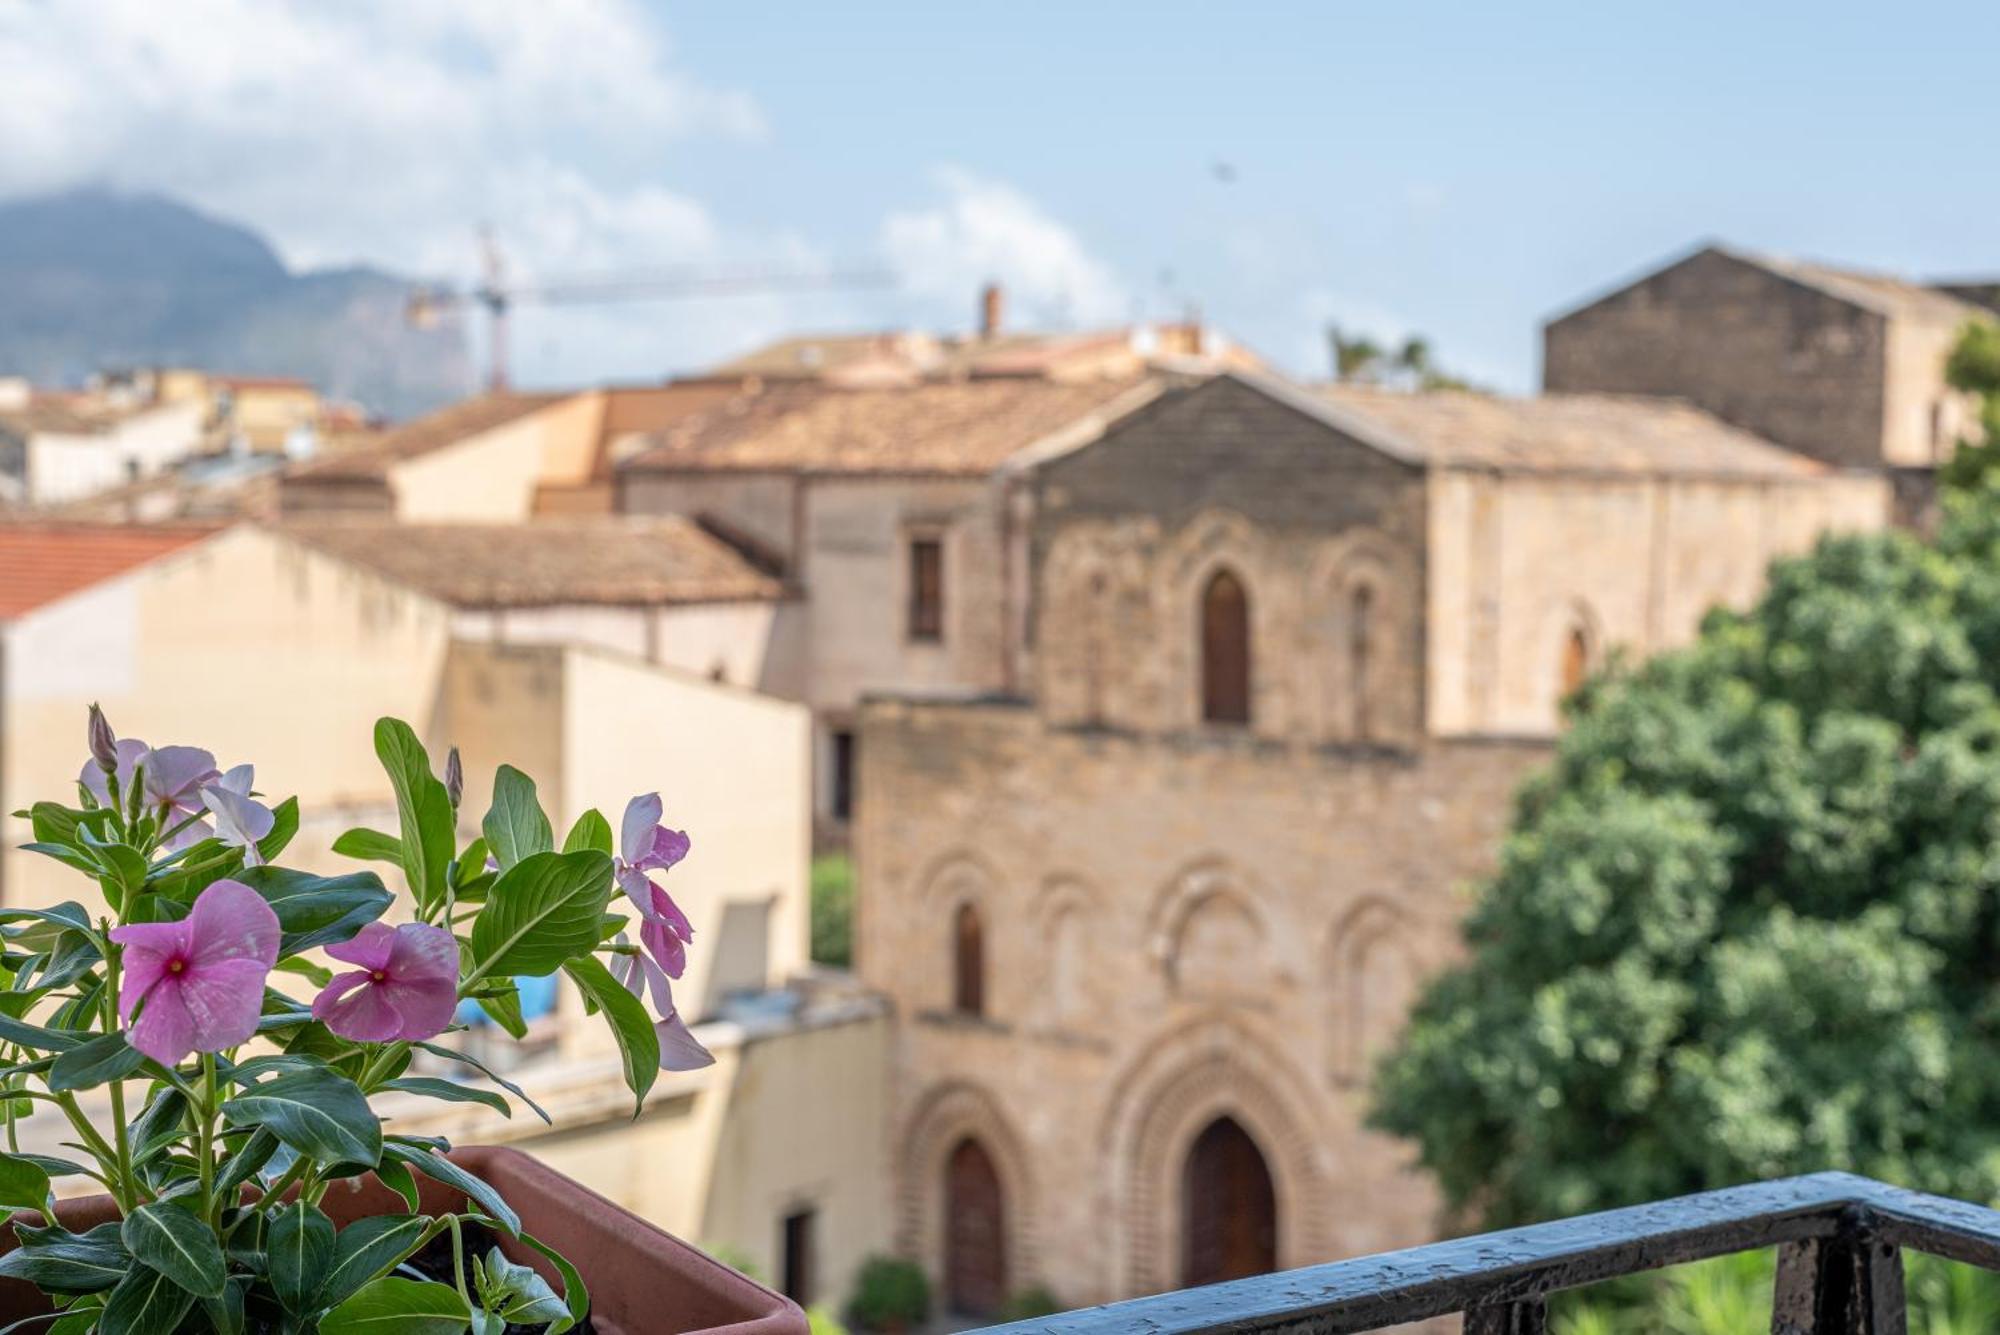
(795, 1260)
(968, 948)
(1575, 660)
(1225, 650)
(926, 589)
(842, 797)
(1360, 657)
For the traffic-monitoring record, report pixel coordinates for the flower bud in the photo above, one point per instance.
(103, 742)
(454, 778)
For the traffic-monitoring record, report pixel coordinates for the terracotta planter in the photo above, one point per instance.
(643, 1281)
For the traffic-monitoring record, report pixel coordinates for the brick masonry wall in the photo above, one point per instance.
(1177, 928)
(1795, 365)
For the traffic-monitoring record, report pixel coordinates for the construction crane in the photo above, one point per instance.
(497, 296)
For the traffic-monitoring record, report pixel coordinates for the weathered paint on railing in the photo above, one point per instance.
(1840, 1240)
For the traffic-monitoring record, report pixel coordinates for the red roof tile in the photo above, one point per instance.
(40, 563)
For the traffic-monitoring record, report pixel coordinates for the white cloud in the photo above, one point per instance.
(987, 231)
(376, 129)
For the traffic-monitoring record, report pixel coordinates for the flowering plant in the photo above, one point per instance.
(234, 1105)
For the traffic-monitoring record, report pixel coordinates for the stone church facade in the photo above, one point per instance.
(1146, 920)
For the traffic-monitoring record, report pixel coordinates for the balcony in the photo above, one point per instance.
(1840, 1241)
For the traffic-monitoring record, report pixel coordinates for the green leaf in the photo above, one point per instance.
(24, 1184)
(631, 1024)
(576, 1297)
(424, 807)
(173, 1240)
(94, 1062)
(225, 1314)
(450, 1091)
(322, 1115)
(145, 1302)
(159, 1125)
(61, 1262)
(542, 912)
(370, 846)
(284, 825)
(396, 1177)
(298, 1251)
(515, 827)
(441, 1169)
(396, 1306)
(525, 1298)
(367, 1248)
(318, 910)
(453, 1054)
(502, 1004)
(590, 831)
(316, 974)
(36, 1037)
(240, 1167)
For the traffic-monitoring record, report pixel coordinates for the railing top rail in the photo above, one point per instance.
(1369, 1292)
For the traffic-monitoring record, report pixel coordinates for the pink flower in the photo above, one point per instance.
(240, 819)
(173, 777)
(201, 980)
(646, 845)
(680, 1050)
(406, 987)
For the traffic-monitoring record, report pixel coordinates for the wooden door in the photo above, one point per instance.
(975, 1232)
(1229, 1209)
(1225, 650)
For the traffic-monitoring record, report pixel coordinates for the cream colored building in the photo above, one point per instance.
(1145, 923)
(66, 448)
(495, 459)
(265, 647)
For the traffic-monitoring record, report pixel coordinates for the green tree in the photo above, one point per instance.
(833, 910)
(1747, 923)
(1974, 367)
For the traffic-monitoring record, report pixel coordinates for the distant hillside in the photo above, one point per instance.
(91, 279)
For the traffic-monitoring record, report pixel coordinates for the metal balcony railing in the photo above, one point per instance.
(1840, 1241)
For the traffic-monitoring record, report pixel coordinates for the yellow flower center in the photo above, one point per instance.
(176, 966)
(379, 976)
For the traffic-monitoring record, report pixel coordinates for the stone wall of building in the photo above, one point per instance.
(1129, 531)
(1521, 563)
(1174, 930)
(1776, 357)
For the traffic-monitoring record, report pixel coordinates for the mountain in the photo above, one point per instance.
(92, 279)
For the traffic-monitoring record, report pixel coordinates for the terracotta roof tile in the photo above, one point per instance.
(40, 562)
(959, 428)
(614, 560)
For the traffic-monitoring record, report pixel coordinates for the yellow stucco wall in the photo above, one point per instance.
(246, 645)
(491, 477)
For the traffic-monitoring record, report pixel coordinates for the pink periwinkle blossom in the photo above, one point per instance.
(172, 779)
(198, 984)
(645, 846)
(680, 1050)
(240, 819)
(405, 989)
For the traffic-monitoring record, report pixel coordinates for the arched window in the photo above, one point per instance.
(1229, 1209)
(1360, 657)
(968, 955)
(1094, 636)
(1225, 650)
(975, 1240)
(1575, 659)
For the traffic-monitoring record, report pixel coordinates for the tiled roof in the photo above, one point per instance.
(41, 562)
(958, 428)
(608, 559)
(1885, 293)
(447, 426)
(1558, 433)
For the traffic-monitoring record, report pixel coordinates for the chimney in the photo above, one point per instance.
(991, 300)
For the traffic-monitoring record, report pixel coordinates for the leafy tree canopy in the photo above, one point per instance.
(1747, 924)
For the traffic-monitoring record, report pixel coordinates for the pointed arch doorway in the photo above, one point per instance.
(975, 1232)
(1229, 1208)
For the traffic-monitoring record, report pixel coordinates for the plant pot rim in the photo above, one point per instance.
(638, 1273)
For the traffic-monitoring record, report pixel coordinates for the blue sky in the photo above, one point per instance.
(1456, 169)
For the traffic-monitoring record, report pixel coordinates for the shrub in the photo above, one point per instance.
(889, 1294)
